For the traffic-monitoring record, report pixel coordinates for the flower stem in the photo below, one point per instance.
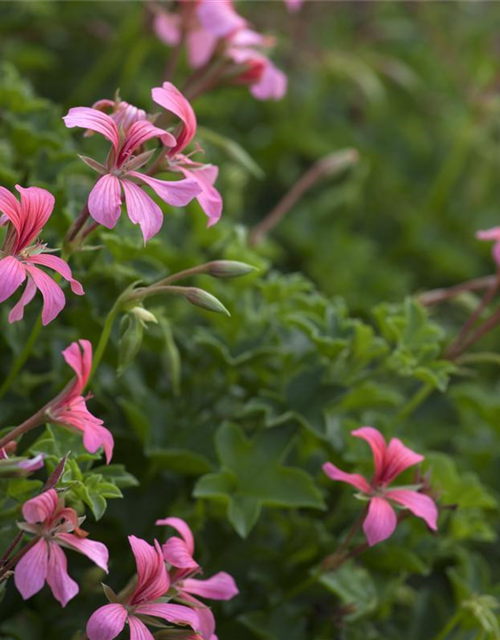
(450, 625)
(482, 330)
(413, 403)
(36, 420)
(21, 358)
(77, 224)
(105, 335)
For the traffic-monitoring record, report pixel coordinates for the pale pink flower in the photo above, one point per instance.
(152, 583)
(70, 409)
(167, 27)
(390, 460)
(294, 5)
(120, 175)
(248, 49)
(178, 553)
(58, 528)
(123, 113)
(18, 466)
(492, 235)
(22, 254)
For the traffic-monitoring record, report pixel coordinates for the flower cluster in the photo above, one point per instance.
(163, 574)
(215, 30)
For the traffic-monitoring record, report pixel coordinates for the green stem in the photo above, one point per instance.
(450, 625)
(36, 420)
(105, 335)
(21, 358)
(413, 403)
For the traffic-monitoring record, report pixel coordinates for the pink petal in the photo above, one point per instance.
(167, 27)
(377, 443)
(220, 18)
(36, 208)
(32, 464)
(142, 210)
(152, 578)
(53, 297)
(31, 570)
(177, 194)
(9, 206)
(17, 312)
(139, 133)
(272, 84)
(397, 459)
(209, 198)
(495, 252)
(221, 586)
(95, 551)
(201, 46)
(206, 619)
(171, 99)
(138, 630)
(490, 234)
(12, 275)
(96, 436)
(79, 357)
(177, 554)
(182, 527)
(105, 201)
(176, 613)
(107, 622)
(380, 522)
(419, 504)
(354, 479)
(293, 5)
(41, 508)
(58, 265)
(95, 120)
(63, 587)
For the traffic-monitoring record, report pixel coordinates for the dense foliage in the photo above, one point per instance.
(225, 420)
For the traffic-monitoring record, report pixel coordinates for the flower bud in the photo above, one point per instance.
(229, 269)
(205, 300)
(144, 315)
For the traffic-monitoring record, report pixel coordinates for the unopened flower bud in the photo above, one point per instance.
(144, 315)
(229, 269)
(205, 300)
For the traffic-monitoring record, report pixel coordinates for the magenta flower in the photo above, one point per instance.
(70, 409)
(123, 113)
(390, 461)
(492, 235)
(58, 528)
(178, 552)
(120, 175)
(205, 175)
(152, 583)
(22, 254)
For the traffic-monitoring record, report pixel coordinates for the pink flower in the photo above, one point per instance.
(492, 235)
(70, 409)
(120, 175)
(293, 5)
(152, 583)
(15, 467)
(178, 552)
(19, 256)
(205, 175)
(123, 113)
(57, 527)
(247, 48)
(390, 461)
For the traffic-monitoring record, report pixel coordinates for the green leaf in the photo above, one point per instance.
(355, 588)
(252, 476)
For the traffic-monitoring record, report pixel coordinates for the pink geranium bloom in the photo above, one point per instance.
(152, 583)
(70, 409)
(205, 175)
(123, 113)
(247, 48)
(22, 254)
(120, 174)
(492, 235)
(390, 460)
(178, 553)
(58, 528)
(293, 5)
